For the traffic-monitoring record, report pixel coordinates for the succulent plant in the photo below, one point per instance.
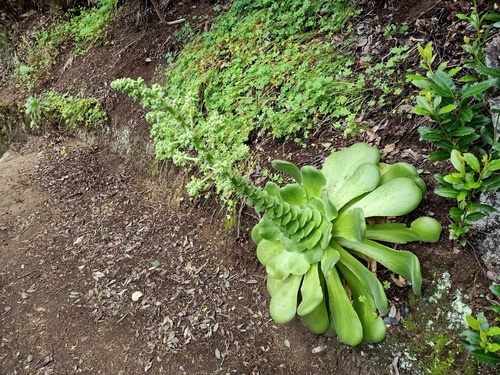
(313, 237)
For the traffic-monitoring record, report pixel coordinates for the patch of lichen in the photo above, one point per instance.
(441, 354)
(430, 340)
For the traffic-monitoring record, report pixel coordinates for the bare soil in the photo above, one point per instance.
(106, 270)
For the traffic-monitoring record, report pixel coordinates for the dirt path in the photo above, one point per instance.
(102, 272)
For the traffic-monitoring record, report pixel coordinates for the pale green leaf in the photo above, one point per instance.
(424, 229)
(351, 225)
(395, 198)
(313, 181)
(340, 165)
(311, 291)
(294, 194)
(401, 262)
(364, 179)
(285, 263)
(287, 167)
(266, 250)
(364, 278)
(344, 319)
(284, 294)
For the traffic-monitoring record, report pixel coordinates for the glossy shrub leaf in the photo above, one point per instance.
(493, 165)
(439, 155)
(444, 84)
(463, 131)
(456, 160)
(485, 357)
(472, 90)
(495, 289)
(447, 109)
(475, 216)
(447, 192)
(492, 182)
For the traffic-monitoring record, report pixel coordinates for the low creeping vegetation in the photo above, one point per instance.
(84, 27)
(484, 341)
(264, 69)
(463, 130)
(63, 111)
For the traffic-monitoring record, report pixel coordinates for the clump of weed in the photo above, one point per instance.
(64, 111)
(36, 52)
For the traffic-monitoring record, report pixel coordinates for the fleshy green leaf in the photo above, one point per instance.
(268, 230)
(363, 180)
(374, 328)
(285, 263)
(344, 319)
(329, 260)
(401, 262)
(318, 320)
(266, 250)
(363, 277)
(424, 229)
(313, 181)
(311, 291)
(284, 294)
(294, 194)
(391, 171)
(340, 165)
(287, 167)
(351, 225)
(395, 198)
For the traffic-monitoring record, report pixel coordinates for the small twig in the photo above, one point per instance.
(485, 273)
(395, 363)
(123, 317)
(239, 218)
(176, 22)
(26, 274)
